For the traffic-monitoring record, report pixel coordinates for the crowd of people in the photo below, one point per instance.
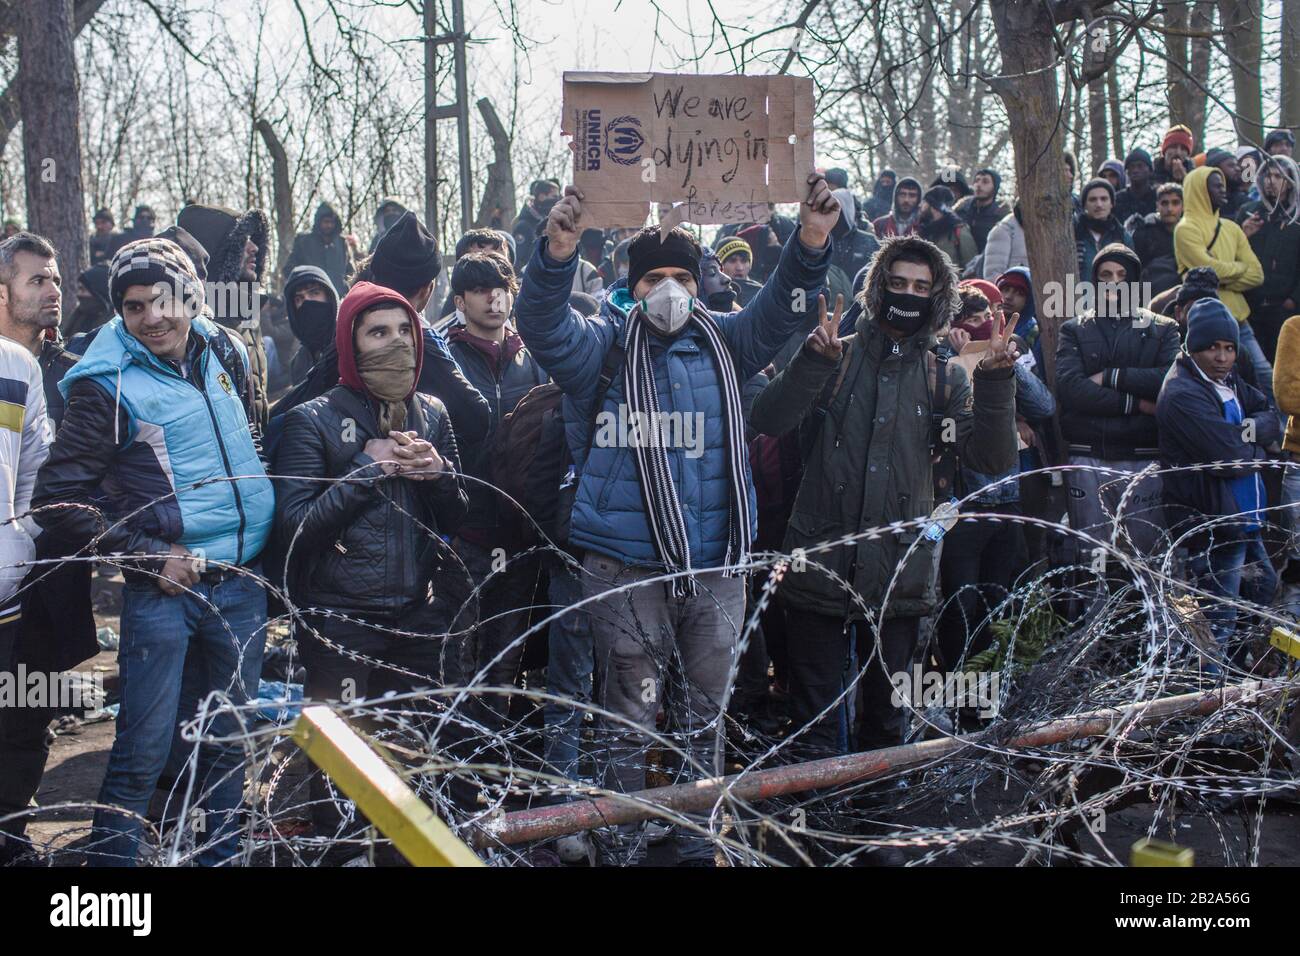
(384, 465)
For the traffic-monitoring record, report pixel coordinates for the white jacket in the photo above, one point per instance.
(1005, 247)
(25, 437)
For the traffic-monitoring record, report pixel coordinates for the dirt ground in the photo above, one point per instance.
(79, 757)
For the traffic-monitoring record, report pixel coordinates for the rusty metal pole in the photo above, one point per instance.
(547, 822)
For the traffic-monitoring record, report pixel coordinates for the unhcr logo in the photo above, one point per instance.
(589, 123)
(623, 140)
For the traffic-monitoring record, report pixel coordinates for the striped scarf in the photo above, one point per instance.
(658, 492)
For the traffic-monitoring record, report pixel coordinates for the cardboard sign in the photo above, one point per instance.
(723, 147)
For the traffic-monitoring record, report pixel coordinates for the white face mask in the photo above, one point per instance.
(668, 306)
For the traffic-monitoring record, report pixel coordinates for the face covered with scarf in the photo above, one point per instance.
(380, 350)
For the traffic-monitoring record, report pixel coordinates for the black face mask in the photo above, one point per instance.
(905, 312)
(314, 325)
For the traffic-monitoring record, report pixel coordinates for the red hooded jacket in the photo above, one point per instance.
(363, 296)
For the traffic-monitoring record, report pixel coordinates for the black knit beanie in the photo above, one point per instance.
(646, 252)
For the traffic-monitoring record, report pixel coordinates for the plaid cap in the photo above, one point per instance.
(153, 261)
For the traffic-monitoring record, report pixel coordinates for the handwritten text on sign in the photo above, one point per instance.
(726, 146)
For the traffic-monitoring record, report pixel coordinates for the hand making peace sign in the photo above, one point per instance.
(825, 339)
(1003, 352)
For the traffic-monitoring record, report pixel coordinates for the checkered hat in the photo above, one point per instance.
(152, 261)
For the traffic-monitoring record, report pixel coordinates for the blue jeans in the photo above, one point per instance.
(1237, 569)
(568, 673)
(225, 624)
(1255, 353)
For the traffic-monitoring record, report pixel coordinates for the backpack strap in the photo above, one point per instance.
(613, 363)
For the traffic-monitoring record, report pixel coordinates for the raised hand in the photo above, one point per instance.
(1003, 351)
(818, 213)
(562, 225)
(825, 339)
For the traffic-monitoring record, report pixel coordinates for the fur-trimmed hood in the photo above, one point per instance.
(222, 233)
(944, 300)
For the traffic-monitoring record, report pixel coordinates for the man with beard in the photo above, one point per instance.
(1237, 192)
(1273, 227)
(324, 247)
(236, 247)
(940, 225)
(882, 195)
(56, 630)
(1138, 198)
(982, 211)
(1095, 224)
(906, 209)
(312, 307)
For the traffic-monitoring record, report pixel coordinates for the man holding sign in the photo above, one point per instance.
(665, 501)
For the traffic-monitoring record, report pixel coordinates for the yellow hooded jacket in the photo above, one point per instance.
(1228, 252)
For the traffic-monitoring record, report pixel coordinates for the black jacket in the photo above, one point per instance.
(1193, 430)
(525, 231)
(1129, 203)
(440, 377)
(979, 218)
(1103, 421)
(367, 545)
(503, 388)
(1154, 245)
(1277, 246)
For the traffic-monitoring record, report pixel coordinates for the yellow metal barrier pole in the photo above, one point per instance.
(378, 791)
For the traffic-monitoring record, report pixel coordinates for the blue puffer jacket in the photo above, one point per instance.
(182, 447)
(608, 514)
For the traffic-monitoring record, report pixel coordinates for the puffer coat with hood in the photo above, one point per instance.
(869, 461)
(1277, 243)
(329, 253)
(1204, 238)
(368, 545)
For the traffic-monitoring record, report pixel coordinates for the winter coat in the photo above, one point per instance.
(330, 254)
(525, 231)
(981, 219)
(1005, 247)
(1195, 430)
(1277, 247)
(1129, 203)
(893, 224)
(869, 457)
(1204, 238)
(25, 436)
(1286, 381)
(175, 455)
(1088, 247)
(503, 382)
(952, 236)
(368, 545)
(1154, 245)
(1103, 421)
(608, 513)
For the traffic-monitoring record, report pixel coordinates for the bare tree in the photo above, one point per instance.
(47, 95)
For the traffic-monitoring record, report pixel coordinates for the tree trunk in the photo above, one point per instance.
(497, 207)
(48, 99)
(1291, 63)
(1177, 85)
(10, 113)
(1244, 40)
(282, 189)
(1029, 92)
(1112, 96)
(1202, 21)
(1095, 47)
